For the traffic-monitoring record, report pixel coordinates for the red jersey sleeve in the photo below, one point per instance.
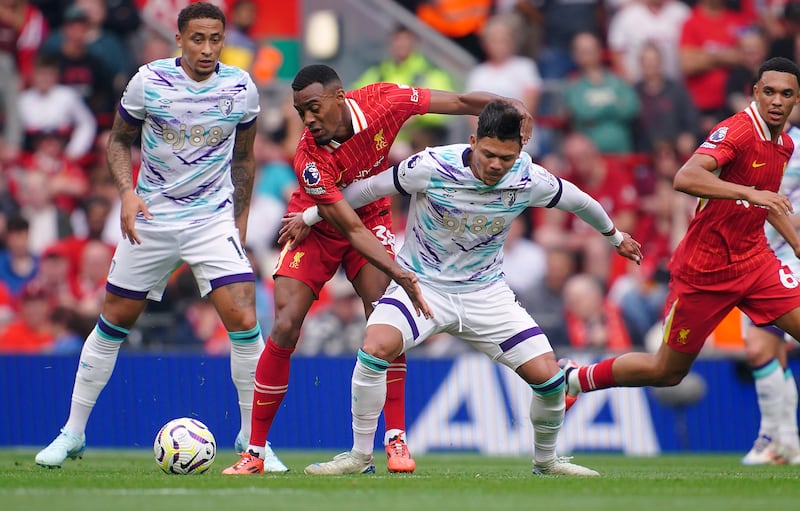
(727, 140)
(316, 173)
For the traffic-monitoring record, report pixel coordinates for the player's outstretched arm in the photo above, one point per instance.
(471, 103)
(580, 203)
(345, 220)
(118, 157)
(243, 171)
(297, 225)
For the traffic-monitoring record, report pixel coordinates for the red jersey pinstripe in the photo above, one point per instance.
(726, 237)
(378, 112)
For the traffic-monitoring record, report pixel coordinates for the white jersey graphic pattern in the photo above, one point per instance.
(188, 134)
(790, 187)
(457, 224)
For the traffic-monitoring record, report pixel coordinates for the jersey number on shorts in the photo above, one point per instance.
(236, 247)
(787, 277)
(384, 235)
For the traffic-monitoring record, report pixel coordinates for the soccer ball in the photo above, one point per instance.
(184, 446)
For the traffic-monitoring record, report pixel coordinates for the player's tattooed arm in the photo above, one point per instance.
(243, 171)
(118, 156)
(118, 152)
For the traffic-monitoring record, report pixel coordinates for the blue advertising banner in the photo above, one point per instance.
(466, 403)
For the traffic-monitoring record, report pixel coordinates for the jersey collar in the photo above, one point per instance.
(760, 126)
(358, 119)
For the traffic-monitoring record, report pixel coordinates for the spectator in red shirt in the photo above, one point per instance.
(611, 185)
(30, 332)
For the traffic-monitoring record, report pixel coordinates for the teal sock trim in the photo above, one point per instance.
(767, 369)
(247, 336)
(552, 386)
(374, 363)
(109, 331)
(787, 373)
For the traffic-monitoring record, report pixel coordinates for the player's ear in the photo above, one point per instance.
(340, 97)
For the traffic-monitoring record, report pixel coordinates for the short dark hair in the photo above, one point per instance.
(501, 120)
(780, 64)
(315, 73)
(17, 223)
(199, 10)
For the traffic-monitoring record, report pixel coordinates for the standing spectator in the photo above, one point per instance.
(460, 20)
(560, 22)
(708, 50)
(754, 48)
(23, 28)
(49, 107)
(81, 69)
(788, 45)
(646, 22)
(405, 64)
(240, 47)
(611, 186)
(599, 103)
(18, 264)
(504, 72)
(667, 112)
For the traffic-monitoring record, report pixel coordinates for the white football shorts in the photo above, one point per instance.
(490, 320)
(212, 250)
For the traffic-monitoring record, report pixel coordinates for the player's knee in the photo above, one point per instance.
(285, 331)
(669, 377)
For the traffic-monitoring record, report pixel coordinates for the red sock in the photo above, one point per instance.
(597, 376)
(394, 410)
(271, 384)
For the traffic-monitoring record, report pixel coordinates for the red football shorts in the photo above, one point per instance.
(316, 260)
(692, 311)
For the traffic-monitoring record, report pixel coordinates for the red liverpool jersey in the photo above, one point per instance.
(726, 237)
(378, 112)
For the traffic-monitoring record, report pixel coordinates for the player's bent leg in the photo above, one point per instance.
(97, 360)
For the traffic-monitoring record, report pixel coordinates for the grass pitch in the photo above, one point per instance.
(122, 480)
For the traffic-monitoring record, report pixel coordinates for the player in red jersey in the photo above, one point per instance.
(723, 260)
(347, 138)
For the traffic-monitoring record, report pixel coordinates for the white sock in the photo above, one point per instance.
(98, 357)
(770, 386)
(261, 452)
(547, 415)
(368, 390)
(788, 427)
(393, 433)
(244, 359)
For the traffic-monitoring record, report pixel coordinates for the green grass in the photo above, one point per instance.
(129, 480)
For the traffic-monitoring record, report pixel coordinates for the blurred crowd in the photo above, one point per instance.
(622, 92)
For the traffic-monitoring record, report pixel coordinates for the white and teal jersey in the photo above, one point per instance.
(456, 223)
(188, 132)
(790, 187)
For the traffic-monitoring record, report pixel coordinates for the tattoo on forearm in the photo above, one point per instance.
(243, 171)
(118, 152)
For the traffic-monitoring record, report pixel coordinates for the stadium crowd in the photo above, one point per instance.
(622, 92)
